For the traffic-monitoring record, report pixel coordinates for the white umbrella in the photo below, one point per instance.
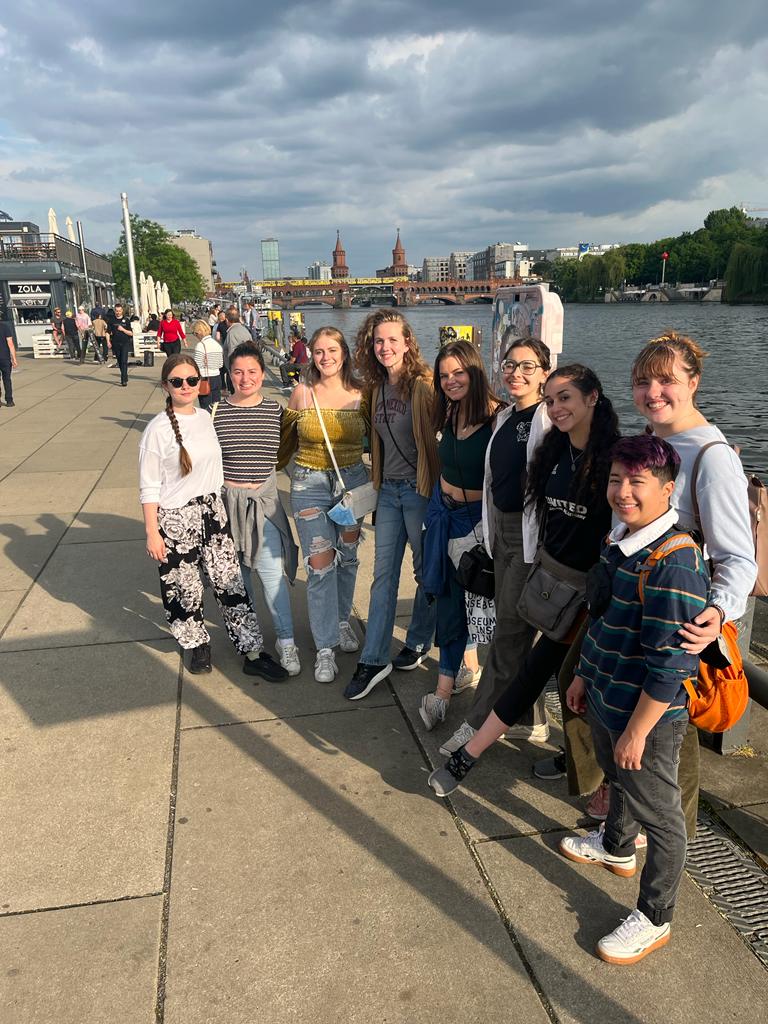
(143, 298)
(166, 297)
(53, 224)
(151, 294)
(71, 230)
(159, 297)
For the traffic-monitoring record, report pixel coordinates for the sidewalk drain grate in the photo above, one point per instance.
(735, 884)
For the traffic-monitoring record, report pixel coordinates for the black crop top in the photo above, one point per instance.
(462, 462)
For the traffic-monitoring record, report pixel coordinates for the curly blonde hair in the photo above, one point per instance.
(368, 366)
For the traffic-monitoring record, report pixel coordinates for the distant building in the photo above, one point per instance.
(339, 268)
(201, 251)
(457, 265)
(399, 266)
(481, 266)
(435, 268)
(577, 252)
(270, 259)
(319, 271)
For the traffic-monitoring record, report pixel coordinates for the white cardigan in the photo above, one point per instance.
(540, 424)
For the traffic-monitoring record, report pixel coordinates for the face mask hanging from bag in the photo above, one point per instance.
(355, 502)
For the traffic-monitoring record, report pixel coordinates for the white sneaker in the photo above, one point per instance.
(589, 849)
(348, 642)
(634, 939)
(465, 678)
(531, 733)
(325, 666)
(463, 735)
(288, 655)
(432, 710)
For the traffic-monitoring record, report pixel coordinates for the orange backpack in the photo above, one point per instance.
(719, 696)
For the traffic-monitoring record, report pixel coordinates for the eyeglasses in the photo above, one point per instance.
(526, 366)
(176, 382)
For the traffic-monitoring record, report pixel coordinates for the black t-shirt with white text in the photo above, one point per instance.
(117, 337)
(573, 532)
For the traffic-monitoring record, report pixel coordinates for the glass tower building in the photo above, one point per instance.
(270, 259)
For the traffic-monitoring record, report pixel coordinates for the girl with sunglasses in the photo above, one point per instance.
(181, 477)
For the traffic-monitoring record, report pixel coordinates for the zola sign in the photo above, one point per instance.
(29, 295)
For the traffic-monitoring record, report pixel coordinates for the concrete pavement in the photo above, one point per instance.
(202, 849)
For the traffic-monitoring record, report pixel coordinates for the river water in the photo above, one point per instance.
(607, 337)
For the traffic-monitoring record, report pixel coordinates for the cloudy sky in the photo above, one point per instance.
(462, 123)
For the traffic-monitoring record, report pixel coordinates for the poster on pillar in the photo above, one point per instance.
(530, 311)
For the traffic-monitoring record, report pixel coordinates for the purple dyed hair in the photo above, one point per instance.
(646, 451)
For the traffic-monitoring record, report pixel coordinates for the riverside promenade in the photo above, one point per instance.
(210, 850)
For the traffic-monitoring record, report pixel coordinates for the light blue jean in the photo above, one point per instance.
(329, 590)
(399, 518)
(269, 569)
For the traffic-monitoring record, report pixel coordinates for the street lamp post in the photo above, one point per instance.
(664, 258)
(129, 252)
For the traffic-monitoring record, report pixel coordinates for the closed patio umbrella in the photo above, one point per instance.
(166, 297)
(151, 294)
(71, 230)
(53, 224)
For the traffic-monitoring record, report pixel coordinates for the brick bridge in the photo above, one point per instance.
(342, 295)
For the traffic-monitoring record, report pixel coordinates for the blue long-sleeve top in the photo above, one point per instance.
(441, 525)
(634, 646)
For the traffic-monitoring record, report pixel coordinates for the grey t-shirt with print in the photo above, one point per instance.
(398, 413)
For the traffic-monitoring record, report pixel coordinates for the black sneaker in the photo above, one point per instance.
(551, 768)
(407, 660)
(10, 404)
(266, 667)
(446, 779)
(364, 680)
(201, 659)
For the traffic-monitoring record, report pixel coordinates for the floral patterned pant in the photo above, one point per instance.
(197, 537)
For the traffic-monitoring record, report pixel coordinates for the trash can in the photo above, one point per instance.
(149, 358)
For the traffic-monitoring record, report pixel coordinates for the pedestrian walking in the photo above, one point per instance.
(121, 338)
(170, 334)
(209, 357)
(8, 361)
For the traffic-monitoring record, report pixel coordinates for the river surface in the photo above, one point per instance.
(607, 337)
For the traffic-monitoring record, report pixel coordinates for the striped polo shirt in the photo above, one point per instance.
(249, 436)
(634, 647)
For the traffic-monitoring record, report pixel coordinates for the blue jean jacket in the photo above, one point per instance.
(442, 524)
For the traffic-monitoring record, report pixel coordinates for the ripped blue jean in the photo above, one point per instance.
(329, 590)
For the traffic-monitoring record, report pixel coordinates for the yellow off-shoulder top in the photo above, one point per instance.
(301, 433)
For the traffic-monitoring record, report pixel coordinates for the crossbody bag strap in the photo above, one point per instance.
(695, 477)
(389, 428)
(327, 439)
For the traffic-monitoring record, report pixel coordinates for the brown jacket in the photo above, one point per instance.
(427, 462)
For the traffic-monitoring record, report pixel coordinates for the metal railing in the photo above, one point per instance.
(44, 248)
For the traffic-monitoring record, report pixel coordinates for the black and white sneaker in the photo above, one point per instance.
(407, 660)
(551, 768)
(448, 778)
(364, 680)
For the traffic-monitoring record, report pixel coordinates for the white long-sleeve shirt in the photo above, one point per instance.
(721, 491)
(160, 479)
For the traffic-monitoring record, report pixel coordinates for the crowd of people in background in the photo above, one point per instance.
(533, 484)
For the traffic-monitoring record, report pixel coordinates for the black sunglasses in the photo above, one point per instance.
(176, 382)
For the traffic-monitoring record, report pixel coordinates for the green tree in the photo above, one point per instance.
(155, 254)
(543, 269)
(564, 277)
(747, 274)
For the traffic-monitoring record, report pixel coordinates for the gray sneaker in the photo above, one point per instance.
(465, 678)
(433, 710)
(463, 735)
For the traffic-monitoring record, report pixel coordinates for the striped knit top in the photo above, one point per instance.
(634, 647)
(249, 436)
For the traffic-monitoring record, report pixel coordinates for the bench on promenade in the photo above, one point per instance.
(44, 347)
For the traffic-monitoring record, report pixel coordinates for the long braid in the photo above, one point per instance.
(184, 460)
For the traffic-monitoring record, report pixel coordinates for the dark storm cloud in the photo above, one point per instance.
(570, 120)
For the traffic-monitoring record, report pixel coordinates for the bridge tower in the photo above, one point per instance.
(339, 268)
(399, 262)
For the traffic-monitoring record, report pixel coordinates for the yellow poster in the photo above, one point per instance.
(458, 332)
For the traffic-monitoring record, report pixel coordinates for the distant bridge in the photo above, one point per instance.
(342, 294)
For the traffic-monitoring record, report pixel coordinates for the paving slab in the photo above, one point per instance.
(26, 542)
(733, 780)
(500, 796)
(110, 513)
(9, 603)
(73, 455)
(380, 917)
(84, 965)
(559, 910)
(91, 594)
(86, 746)
(24, 494)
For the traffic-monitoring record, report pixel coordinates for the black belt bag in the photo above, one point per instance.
(553, 596)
